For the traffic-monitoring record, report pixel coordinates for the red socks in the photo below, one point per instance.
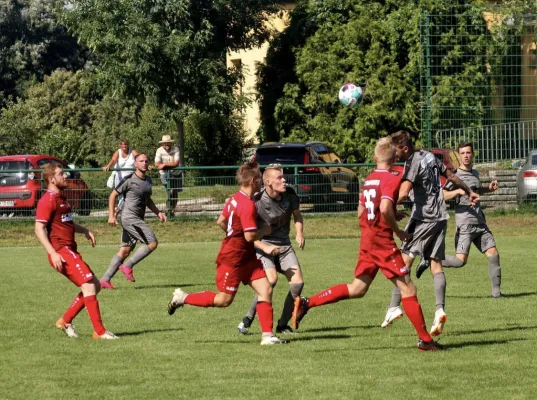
(332, 295)
(415, 315)
(92, 305)
(201, 299)
(265, 314)
(74, 309)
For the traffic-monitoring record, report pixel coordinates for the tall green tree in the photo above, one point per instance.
(33, 45)
(170, 52)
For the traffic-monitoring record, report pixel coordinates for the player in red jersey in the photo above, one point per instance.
(55, 229)
(237, 261)
(378, 223)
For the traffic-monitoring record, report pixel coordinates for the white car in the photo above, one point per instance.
(527, 179)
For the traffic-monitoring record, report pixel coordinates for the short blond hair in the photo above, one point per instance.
(385, 149)
(247, 172)
(269, 168)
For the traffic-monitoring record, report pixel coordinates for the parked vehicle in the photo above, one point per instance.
(327, 188)
(20, 191)
(527, 179)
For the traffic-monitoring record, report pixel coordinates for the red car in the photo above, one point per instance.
(20, 191)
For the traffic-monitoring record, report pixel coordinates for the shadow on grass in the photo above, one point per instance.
(168, 285)
(471, 343)
(320, 337)
(138, 333)
(506, 296)
(481, 331)
(339, 328)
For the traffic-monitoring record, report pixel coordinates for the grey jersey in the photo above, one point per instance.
(423, 170)
(277, 213)
(137, 193)
(465, 213)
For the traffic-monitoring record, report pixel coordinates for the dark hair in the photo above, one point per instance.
(248, 171)
(124, 141)
(466, 144)
(402, 138)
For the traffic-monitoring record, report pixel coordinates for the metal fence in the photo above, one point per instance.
(321, 188)
(479, 79)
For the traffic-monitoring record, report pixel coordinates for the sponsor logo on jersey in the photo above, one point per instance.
(404, 270)
(68, 217)
(231, 288)
(372, 182)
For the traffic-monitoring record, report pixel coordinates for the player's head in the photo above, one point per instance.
(141, 162)
(404, 146)
(466, 153)
(385, 151)
(249, 174)
(53, 174)
(273, 178)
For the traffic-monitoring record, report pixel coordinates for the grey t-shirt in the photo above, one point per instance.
(277, 213)
(465, 213)
(137, 193)
(423, 169)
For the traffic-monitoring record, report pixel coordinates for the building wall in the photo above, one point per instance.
(249, 59)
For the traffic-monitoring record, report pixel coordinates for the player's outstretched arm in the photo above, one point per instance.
(267, 248)
(40, 231)
(404, 190)
(89, 235)
(111, 208)
(386, 209)
(299, 227)
(451, 194)
(473, 197)
(161, 215)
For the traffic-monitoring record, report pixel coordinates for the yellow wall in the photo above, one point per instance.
(248, 59)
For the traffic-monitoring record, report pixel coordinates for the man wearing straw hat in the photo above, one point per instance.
(167, 158)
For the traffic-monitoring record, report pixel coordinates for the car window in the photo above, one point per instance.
(282, 155)
(14, 178)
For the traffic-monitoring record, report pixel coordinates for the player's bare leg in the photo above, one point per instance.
(358, 288)
(439, 279)
(265, 312)
(414, 312)
(394, 310)
(296, 284)
(244, 325)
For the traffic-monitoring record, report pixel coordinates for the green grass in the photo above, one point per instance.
(197, 353)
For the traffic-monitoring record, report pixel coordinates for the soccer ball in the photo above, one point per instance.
(350, 95)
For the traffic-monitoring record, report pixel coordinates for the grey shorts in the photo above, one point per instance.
(282, 262)
(428, 239)
(479, 235)
(135, 232)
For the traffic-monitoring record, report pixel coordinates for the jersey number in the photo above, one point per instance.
(369, 205)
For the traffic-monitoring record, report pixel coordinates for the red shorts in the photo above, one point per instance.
(385, 256)
(74, 268)
(228, 278)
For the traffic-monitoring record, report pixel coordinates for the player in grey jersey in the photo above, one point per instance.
(137, 190)
(275, 205)
(428, 222)
(471, 224)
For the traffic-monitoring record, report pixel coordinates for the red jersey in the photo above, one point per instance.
(54, 211)
(241, 215)
(380, 184)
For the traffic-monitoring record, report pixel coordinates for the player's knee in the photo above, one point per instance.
(153, 246)
(225, 301)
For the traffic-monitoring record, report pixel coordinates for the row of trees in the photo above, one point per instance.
(78, 75)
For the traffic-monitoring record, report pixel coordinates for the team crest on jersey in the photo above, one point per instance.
(68, 217)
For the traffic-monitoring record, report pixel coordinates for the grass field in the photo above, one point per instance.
(340, 351)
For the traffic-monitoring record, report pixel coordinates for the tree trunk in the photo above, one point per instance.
(181, 141)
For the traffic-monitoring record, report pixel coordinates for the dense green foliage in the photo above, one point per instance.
(379, 44)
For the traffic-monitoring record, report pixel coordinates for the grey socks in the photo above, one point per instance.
(112, 268)
(495, 273)
(294, 291)
(138, 256)
(452, 262)
(440, 290)
(396, 297)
